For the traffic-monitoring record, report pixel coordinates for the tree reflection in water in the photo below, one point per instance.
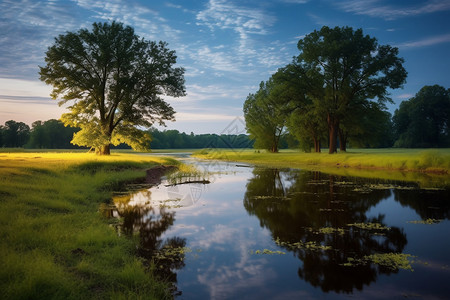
(151, 222)
(294, 205)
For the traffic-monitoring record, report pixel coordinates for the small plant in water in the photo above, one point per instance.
(267, 251)
(428, 221)
(370, 226)
(392, 261)
(327, 230)
(312, 246)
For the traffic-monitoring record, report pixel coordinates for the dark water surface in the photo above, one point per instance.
(262, 233)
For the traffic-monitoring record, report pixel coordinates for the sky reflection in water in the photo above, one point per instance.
(222, 225)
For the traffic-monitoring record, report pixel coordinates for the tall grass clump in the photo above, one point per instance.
(54, 243)
(433, 160)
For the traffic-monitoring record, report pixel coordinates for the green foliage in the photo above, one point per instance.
(338, 84)
(423, 121)
(265, 115)
(114, 81)
(51, 134)
(14, 134)
(173, 139)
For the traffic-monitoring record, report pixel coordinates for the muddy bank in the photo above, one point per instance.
(153, 175)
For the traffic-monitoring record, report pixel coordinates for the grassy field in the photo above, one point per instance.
(430, 167)
(54, 243)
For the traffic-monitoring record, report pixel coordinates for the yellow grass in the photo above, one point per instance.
(54, 243)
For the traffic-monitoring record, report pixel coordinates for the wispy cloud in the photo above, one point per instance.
(295, 1)
(226, 15)
(405, 96)
(28, 27)
(245, 23)
(375, 8)
(431, 41)
(147, 22)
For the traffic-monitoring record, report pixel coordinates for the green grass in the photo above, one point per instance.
(54, 243)
(430, 167)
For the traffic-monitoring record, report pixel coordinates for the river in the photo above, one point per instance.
(265, 233)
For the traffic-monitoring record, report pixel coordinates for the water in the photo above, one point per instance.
(262, 233)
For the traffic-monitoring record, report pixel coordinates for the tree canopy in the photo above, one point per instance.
(113, 81)
(14, 134)
(337, 84)
(424, 120)
(264, 114)
(345, 69)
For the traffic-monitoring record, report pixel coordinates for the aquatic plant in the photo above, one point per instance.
(328, 230)
(267, 251)
(300, 245)
(392, 261)
(369, 226)
(428, 221)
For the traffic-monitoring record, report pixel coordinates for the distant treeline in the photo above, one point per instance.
(173, 139)
(420, 122)
(52, 134)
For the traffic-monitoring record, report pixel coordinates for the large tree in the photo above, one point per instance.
(424, 120)
(299, 98)
(113, 81)
(352, 67)
(265, 116)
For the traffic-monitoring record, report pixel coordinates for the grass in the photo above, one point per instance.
(54, 243)
(428, 167)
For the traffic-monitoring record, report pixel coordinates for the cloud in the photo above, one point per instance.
(405, 96)
(28, 28)
(217, 60)
(225, 15)
(295, 1)
(431, 41)
(245, 23)
(374, 8)
(202, 117)
(147, 22)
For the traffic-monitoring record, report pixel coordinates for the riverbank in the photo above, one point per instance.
(54, 243)
(428, 167)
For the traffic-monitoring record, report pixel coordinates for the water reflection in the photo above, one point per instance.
(425, 203)
(294, 206)
(249, 209)
(150, 222)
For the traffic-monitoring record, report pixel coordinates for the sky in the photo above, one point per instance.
(227, 47)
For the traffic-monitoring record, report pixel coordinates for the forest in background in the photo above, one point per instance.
(52, 134)
(420, 122)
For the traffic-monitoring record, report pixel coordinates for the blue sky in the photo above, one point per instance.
(226, 47)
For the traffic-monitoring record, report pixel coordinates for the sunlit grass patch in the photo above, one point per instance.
(54, 242)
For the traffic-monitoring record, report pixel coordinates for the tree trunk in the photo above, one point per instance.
(316, 145)
(333, 126)
(103, 150)
(342, 141)
(274, 149)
